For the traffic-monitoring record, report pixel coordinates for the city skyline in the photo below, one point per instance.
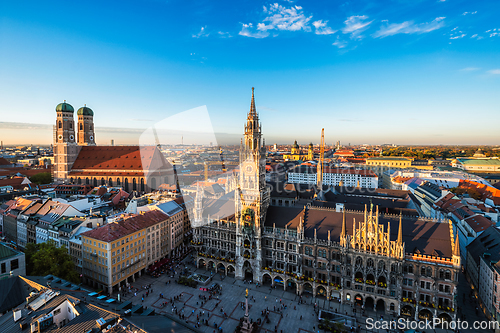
(406, 73)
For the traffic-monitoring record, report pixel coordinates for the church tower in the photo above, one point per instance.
(65, 147)
(251, 198)
(310, 152)
(86, 135)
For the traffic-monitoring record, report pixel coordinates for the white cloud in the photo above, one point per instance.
(459, 36)
(223, 34)
(469, 69)
(355, 25)
(247, 31)
(473, 36)
(409, 27)
(278, 18)
(287, 19)
(471, 13)
(202, 33)
(494, 71)
(495, 34)
(322, 28)
(340, 43)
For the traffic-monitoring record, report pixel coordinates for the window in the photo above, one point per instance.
(14, 264)
(4, 269)
(57, 311)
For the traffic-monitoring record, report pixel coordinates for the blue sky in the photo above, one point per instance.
(404, 72)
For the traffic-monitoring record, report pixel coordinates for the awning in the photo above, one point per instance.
(102, 297)
(111, 300)
(93, 294)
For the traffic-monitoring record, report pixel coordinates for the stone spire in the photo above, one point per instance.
(400, 231)
(344, 232)
(253, 111)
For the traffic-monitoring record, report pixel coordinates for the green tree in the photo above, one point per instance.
(41, 178)
(45, 258)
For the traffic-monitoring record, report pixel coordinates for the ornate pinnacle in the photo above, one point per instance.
(400, 231)
(253, 111)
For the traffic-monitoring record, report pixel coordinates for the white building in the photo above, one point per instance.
(348, 177)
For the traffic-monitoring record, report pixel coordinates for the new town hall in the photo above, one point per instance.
(392, 263)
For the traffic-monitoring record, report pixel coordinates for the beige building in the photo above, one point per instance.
(392, 162)
(117, 253)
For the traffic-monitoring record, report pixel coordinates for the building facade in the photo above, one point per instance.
(365, 258)
(348, 177)
(115, 254)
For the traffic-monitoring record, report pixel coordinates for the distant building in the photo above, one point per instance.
(297, 154)
(477, 165)
(348, 177)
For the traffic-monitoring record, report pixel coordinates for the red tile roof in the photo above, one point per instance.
(478, 222)
(486, 191)
(116, 230)
(4, 162)
(119, 161)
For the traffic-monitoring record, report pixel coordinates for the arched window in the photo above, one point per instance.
(134, 184)
(118, 183)
(126, 184)
(369, 263)
(359, 261)
(60, 124)
(422, 271)
(95, 182)
(381, 265)
(87, 181)
(447, 275)
(142, 184)
(81, 127)
(153, 183)
(70, 125)
(103, 181)
(429, 271)
(110, 182)
(79, 180)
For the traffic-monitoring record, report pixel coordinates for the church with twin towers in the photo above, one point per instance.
(404, 265)
(78, 160)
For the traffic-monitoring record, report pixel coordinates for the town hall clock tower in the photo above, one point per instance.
(251, 199)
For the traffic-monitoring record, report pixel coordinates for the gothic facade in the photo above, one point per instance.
(400, 264)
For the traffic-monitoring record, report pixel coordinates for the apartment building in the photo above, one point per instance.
(115, 254)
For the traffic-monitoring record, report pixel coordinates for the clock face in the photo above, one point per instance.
(248, 168)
